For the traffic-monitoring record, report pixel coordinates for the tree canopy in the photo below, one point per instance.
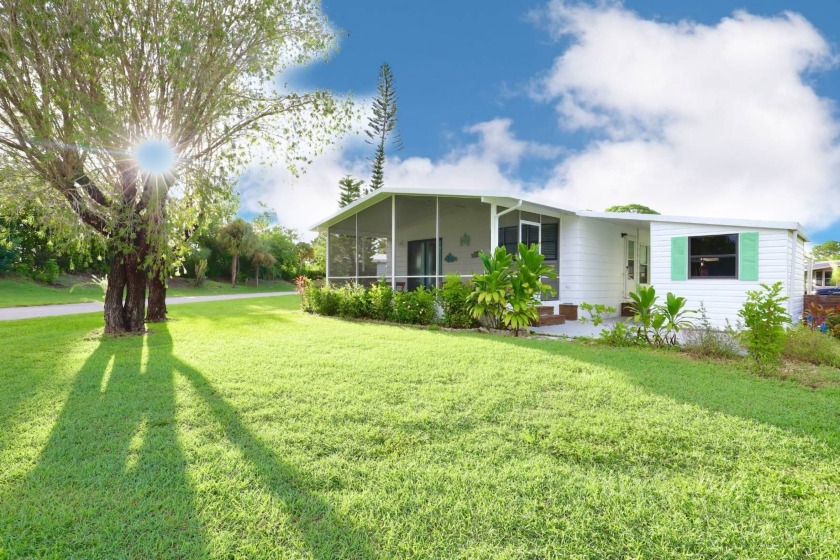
(85, 85)
(826, 251)
(631, 209)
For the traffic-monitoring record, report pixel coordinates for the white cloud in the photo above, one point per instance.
(704, 120)
(694, 119)
(482, 166)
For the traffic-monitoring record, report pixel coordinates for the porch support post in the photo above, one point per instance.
(437, 241)
(357, 248)
(328, 256)
(494, 227)
(393, 242)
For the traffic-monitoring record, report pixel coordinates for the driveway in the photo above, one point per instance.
(35, 311)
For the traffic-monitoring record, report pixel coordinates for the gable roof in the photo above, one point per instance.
(546, 209)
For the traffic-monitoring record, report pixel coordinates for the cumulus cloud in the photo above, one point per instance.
(691, 119)
(694, 119)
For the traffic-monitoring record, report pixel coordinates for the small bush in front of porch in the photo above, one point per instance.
(326, 301)
(416, 307)
(380, 299)
(353, 302)
(454, 301)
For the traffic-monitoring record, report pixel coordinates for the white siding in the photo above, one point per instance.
(591, 261)
(722, 297)
(797, 280)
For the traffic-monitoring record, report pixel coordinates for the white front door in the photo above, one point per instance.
(631, 264)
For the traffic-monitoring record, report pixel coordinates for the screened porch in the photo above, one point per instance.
(417, 240)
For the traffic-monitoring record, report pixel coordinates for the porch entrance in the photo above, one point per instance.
(421, 263)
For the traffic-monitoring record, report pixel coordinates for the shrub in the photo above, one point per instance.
(49, 272)
(618, 335)
(326, 301)
(454, 301)
(765, 317)
(416, 307)
(659, 324)
(380, 301)
(596, 312)
(704, 340)
(805, 345)
(353, 303)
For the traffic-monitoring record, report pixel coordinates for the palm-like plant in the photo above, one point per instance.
(643, 307)
(490, 298)
(677, 317)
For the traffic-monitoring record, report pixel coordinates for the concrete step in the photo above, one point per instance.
(548, 320)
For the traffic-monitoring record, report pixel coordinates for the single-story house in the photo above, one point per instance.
(821, 272)
(600, 257)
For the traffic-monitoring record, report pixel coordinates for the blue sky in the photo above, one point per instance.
(475, 78)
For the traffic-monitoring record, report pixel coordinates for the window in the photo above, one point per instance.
(644, 261)
(531, 234)
(509, 239)
(549, 241)
(713, 256)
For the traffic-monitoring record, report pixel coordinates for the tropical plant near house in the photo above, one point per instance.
(508, 296)
(490, 297)
(765, 318)
(676, 317)
(643, 306)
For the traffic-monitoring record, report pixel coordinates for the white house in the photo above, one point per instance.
(600, 257)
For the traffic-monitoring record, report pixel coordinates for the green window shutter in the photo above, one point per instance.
(748, 256)
(679, 258)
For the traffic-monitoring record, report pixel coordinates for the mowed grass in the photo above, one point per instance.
(245, 429)
(17, 291)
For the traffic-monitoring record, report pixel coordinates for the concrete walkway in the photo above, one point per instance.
(573, 329)
(32, 312)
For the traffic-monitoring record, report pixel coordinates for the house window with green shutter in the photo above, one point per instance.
(713, 256)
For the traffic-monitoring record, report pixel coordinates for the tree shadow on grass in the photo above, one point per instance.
(716, 387)
(111, 480)
(324, 533)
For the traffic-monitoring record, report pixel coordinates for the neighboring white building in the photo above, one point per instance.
(600, 257)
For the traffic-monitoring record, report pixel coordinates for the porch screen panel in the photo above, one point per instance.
(416, 227)
(342, 251)
(464, 231)
(374, 247)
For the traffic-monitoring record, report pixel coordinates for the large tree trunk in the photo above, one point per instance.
(258, 275)
(135, 294)
(114, 314)
(156, 313)
(125, 296)
(233, 266)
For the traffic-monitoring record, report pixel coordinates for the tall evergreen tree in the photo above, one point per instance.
(349, 190)
(382, 126)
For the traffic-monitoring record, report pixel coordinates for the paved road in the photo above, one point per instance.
(13, 313)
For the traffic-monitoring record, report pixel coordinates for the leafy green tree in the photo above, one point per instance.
(631, 209)
(826, 251)
(238, 239)
(261, 257)
(349, 190)
(86, 84)
(382, 126)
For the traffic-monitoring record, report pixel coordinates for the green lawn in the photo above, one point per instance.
(16, 291)
(245, 429)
